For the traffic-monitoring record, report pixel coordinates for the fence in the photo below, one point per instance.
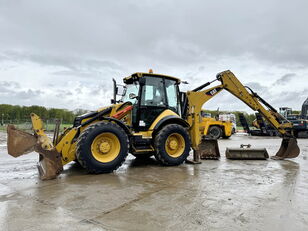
(26, 124)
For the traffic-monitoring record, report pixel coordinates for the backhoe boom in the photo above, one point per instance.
(229, 82)
(252, 100)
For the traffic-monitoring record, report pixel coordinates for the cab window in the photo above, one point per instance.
(153, 93)
(172, 96)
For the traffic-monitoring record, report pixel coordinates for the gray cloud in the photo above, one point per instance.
(28, 94)
(71, 49)
(9, 84)
(287, 98)
(173, 31)
(285, 79)
(10, 92)
(257, 87)
(74, 64)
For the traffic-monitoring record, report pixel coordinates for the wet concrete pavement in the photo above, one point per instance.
(141, 195)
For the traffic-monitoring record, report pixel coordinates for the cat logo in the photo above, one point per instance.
(214, 91)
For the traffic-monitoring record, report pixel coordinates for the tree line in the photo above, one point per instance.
(19, 114)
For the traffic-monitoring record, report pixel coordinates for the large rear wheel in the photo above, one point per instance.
(102, 147)
(172, 145)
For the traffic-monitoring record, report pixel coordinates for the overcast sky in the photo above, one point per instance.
(65, 53)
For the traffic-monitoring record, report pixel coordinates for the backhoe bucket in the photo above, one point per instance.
(20, 143)
(288, 149)
(208, 149)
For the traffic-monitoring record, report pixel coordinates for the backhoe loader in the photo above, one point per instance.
(215, 128)
(152, 118)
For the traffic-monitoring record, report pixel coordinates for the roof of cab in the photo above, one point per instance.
(142, 74)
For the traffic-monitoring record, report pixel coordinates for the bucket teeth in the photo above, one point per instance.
(288, 149)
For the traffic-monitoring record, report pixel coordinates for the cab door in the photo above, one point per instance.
(151, 103)
(156, 94)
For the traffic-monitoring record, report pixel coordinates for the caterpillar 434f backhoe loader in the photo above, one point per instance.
(152, 118)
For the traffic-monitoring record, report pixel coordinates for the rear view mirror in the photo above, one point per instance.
(132, 96)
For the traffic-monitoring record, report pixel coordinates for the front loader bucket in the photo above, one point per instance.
(288, 149)
(19, 142)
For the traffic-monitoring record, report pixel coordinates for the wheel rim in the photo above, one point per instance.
(175, 145)
(215, 132)
(105, 147)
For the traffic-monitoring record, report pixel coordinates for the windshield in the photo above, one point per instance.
(131, 88)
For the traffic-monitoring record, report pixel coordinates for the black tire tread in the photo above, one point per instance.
(215, 127)
(159, 140)
(81, 141)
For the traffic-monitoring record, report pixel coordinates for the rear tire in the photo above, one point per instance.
(172, 145)
(102, 147)
(215, 132)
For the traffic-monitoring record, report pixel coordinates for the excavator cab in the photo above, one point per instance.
(285, 111)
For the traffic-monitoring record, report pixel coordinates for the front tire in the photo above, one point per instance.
(172, 145)
(102, 147)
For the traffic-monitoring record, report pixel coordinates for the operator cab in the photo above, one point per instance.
(285, 111)
(151, 94)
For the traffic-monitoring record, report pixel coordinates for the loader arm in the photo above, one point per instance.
(229, 82)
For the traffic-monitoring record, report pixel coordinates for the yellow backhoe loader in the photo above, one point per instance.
(152, 118)
(214, 128)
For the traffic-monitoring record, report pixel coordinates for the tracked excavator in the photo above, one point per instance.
(152, 118)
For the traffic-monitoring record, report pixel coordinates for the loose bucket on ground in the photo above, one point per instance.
(246, 153)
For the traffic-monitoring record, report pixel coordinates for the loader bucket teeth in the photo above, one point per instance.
(19, 142)
(288, 149)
